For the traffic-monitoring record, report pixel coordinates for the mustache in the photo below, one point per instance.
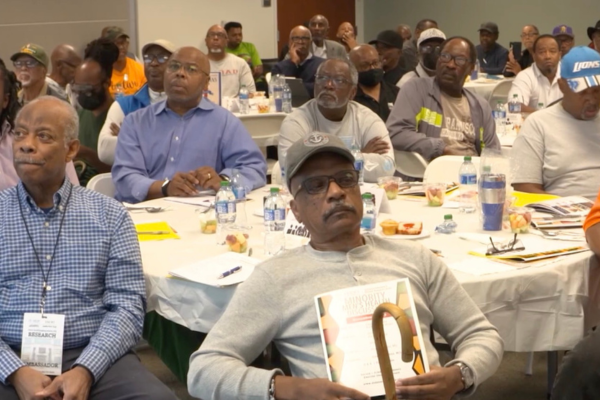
(28, 160)
(337, 208)
(325, 92)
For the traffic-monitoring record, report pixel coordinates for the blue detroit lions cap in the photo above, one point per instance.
(581, 68)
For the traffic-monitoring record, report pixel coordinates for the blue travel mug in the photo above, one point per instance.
(492, 195)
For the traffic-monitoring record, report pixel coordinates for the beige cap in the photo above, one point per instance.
(165, 44)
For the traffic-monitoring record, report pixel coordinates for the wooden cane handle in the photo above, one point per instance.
(383, 355)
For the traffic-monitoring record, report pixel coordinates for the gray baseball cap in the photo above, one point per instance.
(305, 148)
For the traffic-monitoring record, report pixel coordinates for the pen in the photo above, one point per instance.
(154, 233)
(230, 272)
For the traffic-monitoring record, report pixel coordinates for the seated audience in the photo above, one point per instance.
(577, 378)
(245, 50)
(389, 47)
(94, 281)
(333, 112)
(92, 85)
(372, 91)
(128, 75)
(321, 46)
(31, 66)
(594, 35)
(539, 84)
(155, 54)
(64, 60)
(437, 116)
(409, 47)
(301, 63)
(8, 112)
(192, 142)
(528, 36)
(235, 72)
(404, 31)
(346, 36)
(429, 44)
(556, 150)
(276, 304)
(492, 56)
(565, 37)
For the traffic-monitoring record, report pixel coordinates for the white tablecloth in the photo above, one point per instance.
(534, 309)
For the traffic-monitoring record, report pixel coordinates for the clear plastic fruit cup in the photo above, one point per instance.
(435, 193)
(520, 219)
(390, 184)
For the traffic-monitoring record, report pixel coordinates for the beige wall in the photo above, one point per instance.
(52, 22)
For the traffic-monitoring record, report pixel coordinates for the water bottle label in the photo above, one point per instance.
(269, 215)
(221, 207)
(279, 214)
(499, 114)
(368, 222)
(468, 179)
(514, 108)
(231, 207)
(239, 192)
(359, 165)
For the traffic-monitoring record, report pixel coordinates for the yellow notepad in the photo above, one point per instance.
(523, 199)
(160, 231)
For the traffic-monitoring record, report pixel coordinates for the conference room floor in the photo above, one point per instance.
(510, 379)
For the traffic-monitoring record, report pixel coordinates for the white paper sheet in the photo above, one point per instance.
(207, 271)
(480, 266)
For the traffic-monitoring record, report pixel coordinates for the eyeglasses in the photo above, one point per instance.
(429, 48)
(320, 184)
(190, 69)
(504, 247)
(68, 63)
(27, 63)
(529, 35)
(148, 58)
(458, 60)
(85, 89)
(219, 35)
(563, 39)
(338, 81)
(300, 38)
(367, 66)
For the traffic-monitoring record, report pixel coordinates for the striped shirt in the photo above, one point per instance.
(96, 280)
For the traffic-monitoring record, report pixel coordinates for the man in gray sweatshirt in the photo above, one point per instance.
(436, 116)
(276, 304)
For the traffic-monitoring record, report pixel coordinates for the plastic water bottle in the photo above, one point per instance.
(225, 205)
(500, 118)
(476, 71)
(278, 93)
(274, 217)
(467, 177)
(540, 106)
(359, 162)
(239, 191)
(287, 99)
(448, 226)
(243, 98)
(368, 220)
(514, 106)
(119, 91)
(282, 168)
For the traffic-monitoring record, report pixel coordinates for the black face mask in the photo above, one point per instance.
(93, 100)
(371, 77)
(429, 60)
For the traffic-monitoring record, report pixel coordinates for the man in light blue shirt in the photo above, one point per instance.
(186, 143)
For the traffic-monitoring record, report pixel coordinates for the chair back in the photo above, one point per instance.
(102, 183)
(276, 178)
(500, 92)
(445, 168)
(410, 164)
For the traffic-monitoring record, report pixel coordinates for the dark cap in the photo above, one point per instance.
(490, 27)
(563, 30)
(389, 38)
(114, 32)
(32, 50)
(593, 29)
(305, 148)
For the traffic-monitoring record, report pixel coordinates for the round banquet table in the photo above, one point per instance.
(537, 308)
(484, 87)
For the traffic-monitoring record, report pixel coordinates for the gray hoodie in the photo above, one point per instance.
(415, 122)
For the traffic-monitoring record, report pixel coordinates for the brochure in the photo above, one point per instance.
(564, 206)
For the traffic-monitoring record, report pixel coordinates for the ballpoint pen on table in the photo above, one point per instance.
(230, 272)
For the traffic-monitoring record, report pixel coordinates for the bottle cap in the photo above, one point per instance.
(487, 168)
(367, 196)
(224, 183)
(515, 96)
(447, 217)
(467, 158)
(274, 190)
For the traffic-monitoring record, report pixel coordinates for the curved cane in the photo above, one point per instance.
(383, 355)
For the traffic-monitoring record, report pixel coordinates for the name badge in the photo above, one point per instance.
(42, 342)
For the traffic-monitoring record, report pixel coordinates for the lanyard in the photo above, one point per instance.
(45, 286)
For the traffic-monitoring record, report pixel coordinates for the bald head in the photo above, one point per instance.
(64, 60)
(216, 40)
(186, 78)
(319, 27)
(300, 41)
(366, 60)
(361, 52)
(404, 31)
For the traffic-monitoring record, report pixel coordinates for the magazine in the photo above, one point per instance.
(345, 323)
(564, 206)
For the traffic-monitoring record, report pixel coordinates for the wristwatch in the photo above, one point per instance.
(224, 178)
(466, 375)
(164, 187)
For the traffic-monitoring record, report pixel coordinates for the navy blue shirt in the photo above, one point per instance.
(494, 61)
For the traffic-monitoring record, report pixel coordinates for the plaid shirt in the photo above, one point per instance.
(96, 280)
